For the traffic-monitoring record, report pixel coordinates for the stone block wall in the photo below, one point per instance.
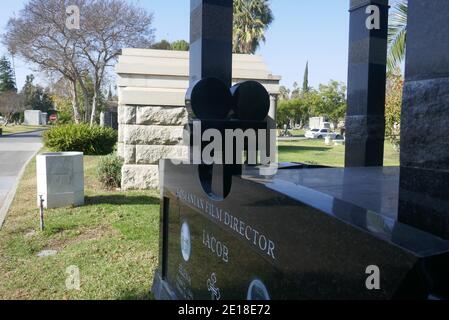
(151, 87)
(146, 135)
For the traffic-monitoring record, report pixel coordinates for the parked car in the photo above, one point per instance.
(321, 134)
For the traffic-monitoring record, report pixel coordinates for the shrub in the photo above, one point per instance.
(109, 171)
(83, 138)
(64, 117)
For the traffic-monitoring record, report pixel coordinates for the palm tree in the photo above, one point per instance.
(251, 19)
(397, 33)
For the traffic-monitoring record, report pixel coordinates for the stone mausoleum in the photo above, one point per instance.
(151, 86)
(35, 118)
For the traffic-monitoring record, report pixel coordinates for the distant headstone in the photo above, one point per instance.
(44, 118)
(47, 253)
(109, 115)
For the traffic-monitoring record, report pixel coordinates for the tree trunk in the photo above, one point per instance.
(336, 125)
(86, 103)
(97, 87)
(76, 111)
(86, 106)
(94, 108)
(8, 120)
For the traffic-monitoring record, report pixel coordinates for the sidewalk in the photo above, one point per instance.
(15, 153)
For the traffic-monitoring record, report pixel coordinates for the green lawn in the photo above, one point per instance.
(113, 240)
(298, 133)
(316, 152)
(11, 129)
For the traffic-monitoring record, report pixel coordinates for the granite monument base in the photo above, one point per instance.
(306, 233)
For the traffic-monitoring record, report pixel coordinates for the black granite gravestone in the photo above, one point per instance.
(424, 195)
(209, 99)
(251, 101)
(365, 122)
(301, 233)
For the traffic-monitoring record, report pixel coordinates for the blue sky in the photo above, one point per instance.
(303, 30)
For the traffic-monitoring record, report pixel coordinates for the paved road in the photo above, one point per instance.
(15, 152)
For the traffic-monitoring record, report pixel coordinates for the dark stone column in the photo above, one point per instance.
(211, 40)
(211, 27)
(424, 187)
(365, 121)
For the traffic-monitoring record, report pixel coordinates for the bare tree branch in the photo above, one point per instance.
(107, 27)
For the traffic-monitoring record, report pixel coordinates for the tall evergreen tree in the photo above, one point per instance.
(28, 91)
(305, 84)
(7, 82)
(36, 97)
(161, 45)
(110, 97)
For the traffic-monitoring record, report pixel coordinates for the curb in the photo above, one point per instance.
(12, 193)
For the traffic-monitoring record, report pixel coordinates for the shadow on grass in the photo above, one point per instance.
(136, 296)
(302, 148)
(120, 199)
